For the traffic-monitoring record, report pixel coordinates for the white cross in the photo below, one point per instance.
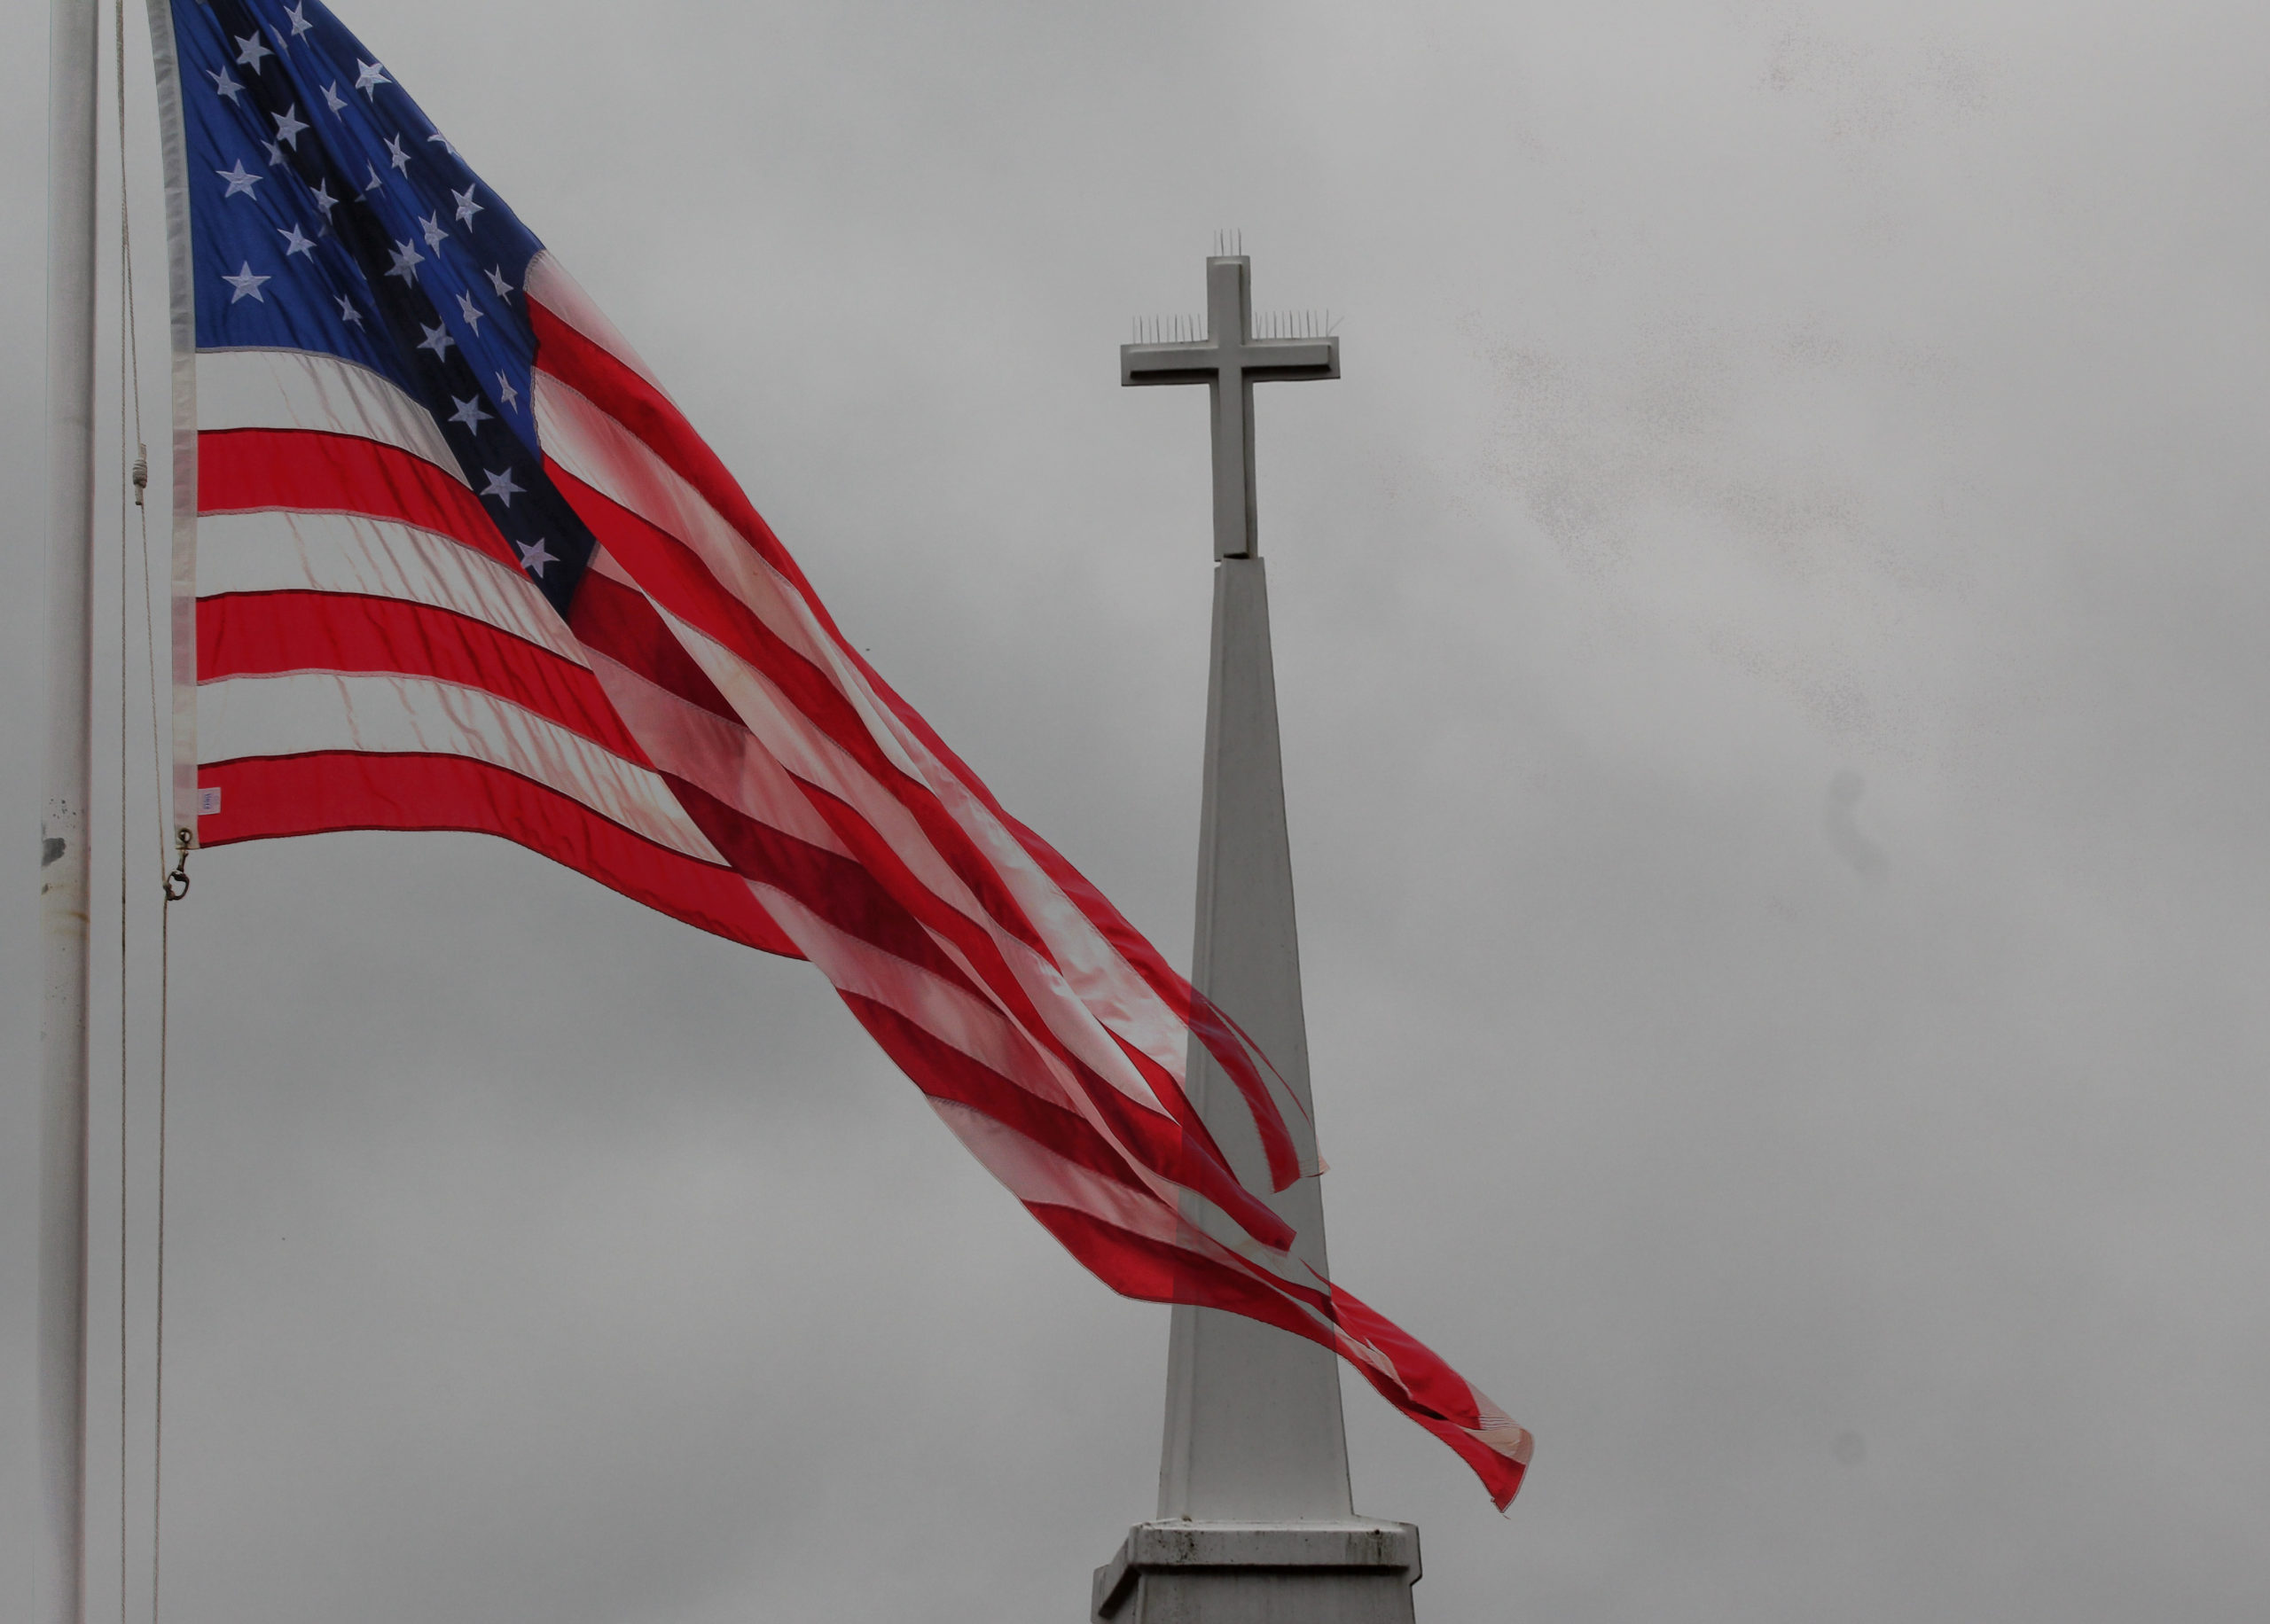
(1230, 361)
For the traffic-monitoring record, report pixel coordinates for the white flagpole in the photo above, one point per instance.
(72, 55)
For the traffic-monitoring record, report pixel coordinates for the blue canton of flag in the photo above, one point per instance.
(330, 214)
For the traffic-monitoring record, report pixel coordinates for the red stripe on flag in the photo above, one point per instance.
(652, 417)
(1429, 1391)
(1159, 1141)
(868, 845)
(255, 470)
(848, 894)
(263, 798)
(943, 1072)
(617, 389)
(242, 634)
(1170, 1094)
(677, 579)
(1235, 1053)
(835, 887)
(620, 622)
(1429, 1382)
(1138, 1266)
(1158, 1138)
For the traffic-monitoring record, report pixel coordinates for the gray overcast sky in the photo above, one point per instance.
(1771, 650)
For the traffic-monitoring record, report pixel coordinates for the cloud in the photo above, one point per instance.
(1741, 406)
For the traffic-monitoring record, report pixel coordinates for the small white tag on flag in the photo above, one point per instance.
(209, 801)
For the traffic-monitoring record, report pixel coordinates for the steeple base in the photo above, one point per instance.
(1226, 1573)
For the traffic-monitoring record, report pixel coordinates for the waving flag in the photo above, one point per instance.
(447, 557)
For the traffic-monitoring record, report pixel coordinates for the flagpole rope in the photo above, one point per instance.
(125, 300)
(157, 1383)
(126, 405)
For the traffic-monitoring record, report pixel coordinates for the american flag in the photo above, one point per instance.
(456, 561)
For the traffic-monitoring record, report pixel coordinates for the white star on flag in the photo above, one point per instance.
(270, 153)
(251, 50)
(225, 83)
(239, 179)
(373, 183)
(447, 145)
(437, 340)
(369, 76)
(288, 127)
(324, 199)
(533, 558)
(472, 314)
(496, 280)
(333, 99)
(506, 393)
(348, 313)
(298, 17)
(293, 243)
(406, 258)
(466, 207)
(436, 233)
(246, 284)
(468, 412)
(501, 487)
(397, 159)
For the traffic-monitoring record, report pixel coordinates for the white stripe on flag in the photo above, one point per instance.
(811, 755)
(298, 712)
(551, 287)
(712, 753)
(606, 455)
(581, 436)
(284, 551)
(1032, 1171)
(948, 1013)
(1103, 981)
(300, 389)
(817, 759)
(976, 1028)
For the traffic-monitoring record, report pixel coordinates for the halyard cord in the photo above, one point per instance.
(127, 401)
(158, 1407)
(123, 1113)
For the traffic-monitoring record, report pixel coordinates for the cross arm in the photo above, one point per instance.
(1262, 360)
(1266, 359)
(1169, 364)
